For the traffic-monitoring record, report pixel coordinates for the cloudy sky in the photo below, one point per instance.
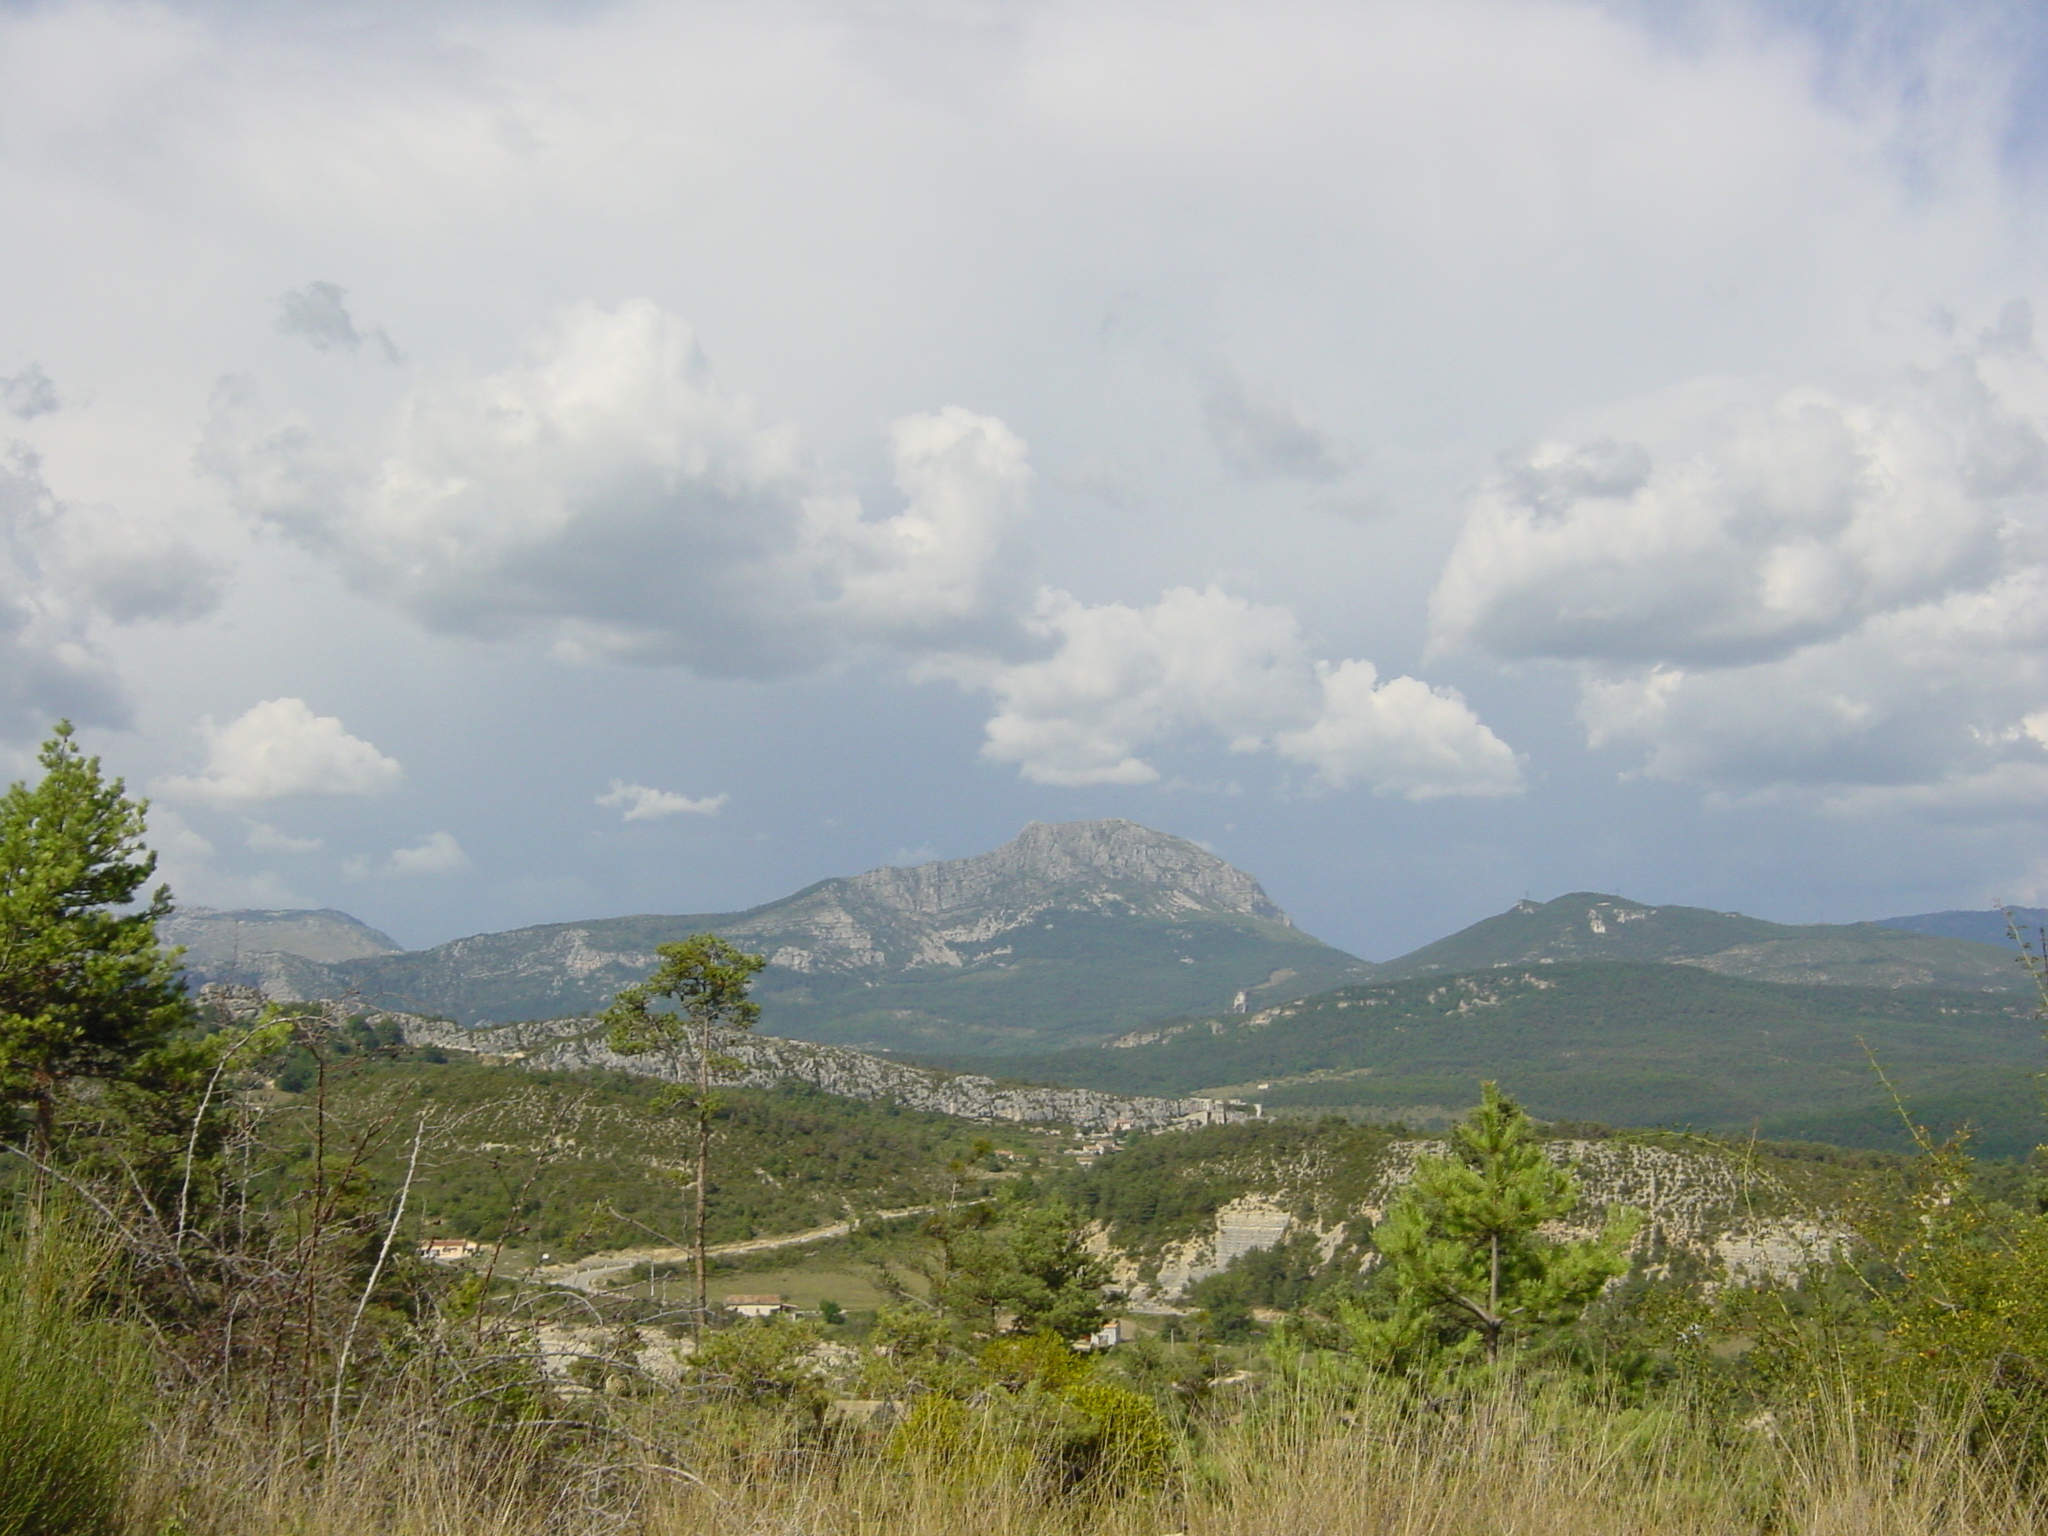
(480, 465)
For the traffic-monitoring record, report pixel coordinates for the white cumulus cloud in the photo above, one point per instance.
(609, 495)
(1121, 681)
(435, 854)
(1808, 594)
(1401, 736)
(280, 748)
(636, 802)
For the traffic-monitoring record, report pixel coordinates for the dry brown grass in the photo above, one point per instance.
(1511, 1464)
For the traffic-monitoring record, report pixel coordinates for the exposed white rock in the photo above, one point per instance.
(1700, 1202)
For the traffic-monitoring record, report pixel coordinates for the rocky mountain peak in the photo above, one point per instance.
(1086, 863)
(1072, 930)
(217, 941)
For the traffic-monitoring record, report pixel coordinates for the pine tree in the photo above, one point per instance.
(707, 980)
(1024, 1261)
(1462, 1243)
(85, 991)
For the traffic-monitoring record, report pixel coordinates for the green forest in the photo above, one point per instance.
(1628, 1044)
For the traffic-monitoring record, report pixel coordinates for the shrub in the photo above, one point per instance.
(763, 1360)
(1128, 1446)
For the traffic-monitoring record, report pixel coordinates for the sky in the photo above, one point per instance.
(478, 465)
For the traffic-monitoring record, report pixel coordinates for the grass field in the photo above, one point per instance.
(802, 1277)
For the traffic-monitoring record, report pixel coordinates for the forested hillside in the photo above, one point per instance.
(1641, 1044)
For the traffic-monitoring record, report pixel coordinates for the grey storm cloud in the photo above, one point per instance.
(65, 571)
(1268, 439)
(318, 313)
(29, 394)
(45, 672)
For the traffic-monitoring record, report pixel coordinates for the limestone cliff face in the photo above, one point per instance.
(956, 912)
(1093, 863)
(1746, 1226)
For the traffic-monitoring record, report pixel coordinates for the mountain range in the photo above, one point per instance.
(1072, 932)
(1588, 925)
(1106, 956)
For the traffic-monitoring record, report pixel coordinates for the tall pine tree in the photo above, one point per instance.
(706, 980)
(85, 990)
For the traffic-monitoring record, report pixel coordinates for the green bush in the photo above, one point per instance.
(1035, 1359)
(1128, 1445)
(762, 1360)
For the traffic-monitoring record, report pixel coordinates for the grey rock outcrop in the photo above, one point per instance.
(1742, 1224)
(954, 913)
(766, 1061)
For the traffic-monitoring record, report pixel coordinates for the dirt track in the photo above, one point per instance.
(593, 1271)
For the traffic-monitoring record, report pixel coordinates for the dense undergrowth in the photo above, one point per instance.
(1318, 1446)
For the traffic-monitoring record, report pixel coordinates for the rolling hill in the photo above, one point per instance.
(1621, 1043)
(1587, 925)
(1986, 925)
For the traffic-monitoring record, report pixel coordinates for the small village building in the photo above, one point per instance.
(447, 1250)
(1112, 1333)
(756, 1306)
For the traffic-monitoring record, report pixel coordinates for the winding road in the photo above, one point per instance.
(594, 1272)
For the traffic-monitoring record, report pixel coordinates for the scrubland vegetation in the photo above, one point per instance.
(280, 1360)
(214, 1317)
